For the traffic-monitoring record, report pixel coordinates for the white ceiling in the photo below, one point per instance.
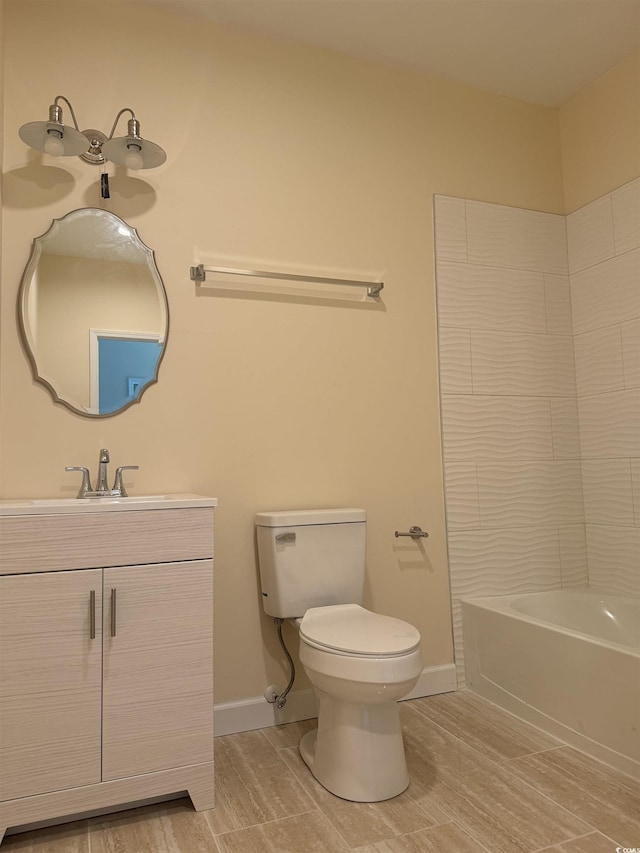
(541, 51)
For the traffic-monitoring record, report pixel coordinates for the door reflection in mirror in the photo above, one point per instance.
(125, 364)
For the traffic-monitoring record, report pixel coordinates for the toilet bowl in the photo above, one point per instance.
(359, 663)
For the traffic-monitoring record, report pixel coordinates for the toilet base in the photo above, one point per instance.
(357, 752)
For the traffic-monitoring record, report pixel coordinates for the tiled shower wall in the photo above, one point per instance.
(510, 405)
(604, 266)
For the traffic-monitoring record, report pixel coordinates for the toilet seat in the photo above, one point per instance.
(348, 629)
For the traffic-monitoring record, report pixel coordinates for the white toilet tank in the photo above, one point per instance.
(310, 558)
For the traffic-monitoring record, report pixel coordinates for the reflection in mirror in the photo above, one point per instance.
(93, 312)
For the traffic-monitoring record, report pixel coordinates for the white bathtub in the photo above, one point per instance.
(566, 661)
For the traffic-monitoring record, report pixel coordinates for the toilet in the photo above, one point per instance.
(312, 566)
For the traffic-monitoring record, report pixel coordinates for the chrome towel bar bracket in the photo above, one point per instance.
(414, 532)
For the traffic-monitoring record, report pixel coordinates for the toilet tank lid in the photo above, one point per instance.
(301, 517)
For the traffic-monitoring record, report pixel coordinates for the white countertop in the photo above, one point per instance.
(71, 506)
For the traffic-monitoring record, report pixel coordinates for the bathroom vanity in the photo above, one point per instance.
(106, 654)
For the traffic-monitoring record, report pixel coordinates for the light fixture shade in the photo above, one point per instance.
(36, 134)
(119, 149)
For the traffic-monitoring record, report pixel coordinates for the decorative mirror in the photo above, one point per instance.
(93, 313)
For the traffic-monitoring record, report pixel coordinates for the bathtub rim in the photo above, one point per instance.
(503, 604)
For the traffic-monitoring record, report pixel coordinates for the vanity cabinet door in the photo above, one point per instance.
(157, 667)
(50, 682)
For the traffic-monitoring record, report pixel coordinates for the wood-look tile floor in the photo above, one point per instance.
(481, 780)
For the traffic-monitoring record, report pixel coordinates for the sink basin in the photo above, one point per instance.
(44, 506)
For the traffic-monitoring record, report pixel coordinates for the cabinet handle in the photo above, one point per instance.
(113, 612)
(92, 614)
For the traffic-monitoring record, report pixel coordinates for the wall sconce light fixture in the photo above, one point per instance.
(60, 140)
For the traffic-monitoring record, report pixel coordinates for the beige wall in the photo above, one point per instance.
(276, 154)
(600, 134)
(1, 134)
(1, 95)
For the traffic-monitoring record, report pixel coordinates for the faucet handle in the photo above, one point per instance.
(118, 485)
(86, 479)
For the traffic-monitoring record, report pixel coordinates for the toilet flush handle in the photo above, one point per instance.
(286, 537)
(414, 532)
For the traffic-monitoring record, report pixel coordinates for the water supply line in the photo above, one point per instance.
(280, 699)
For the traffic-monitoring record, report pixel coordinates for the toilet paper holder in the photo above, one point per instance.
(414, 532)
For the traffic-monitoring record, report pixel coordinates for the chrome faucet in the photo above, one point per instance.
(102, 489)
(101, 485)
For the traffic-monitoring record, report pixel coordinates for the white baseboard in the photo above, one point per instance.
(256, 713)
(434, 679)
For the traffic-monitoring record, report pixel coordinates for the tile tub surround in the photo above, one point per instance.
(539, 353)
(482, 782)
(604, 262)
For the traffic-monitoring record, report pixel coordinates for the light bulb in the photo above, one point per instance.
(133, 159)
(53, 144)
